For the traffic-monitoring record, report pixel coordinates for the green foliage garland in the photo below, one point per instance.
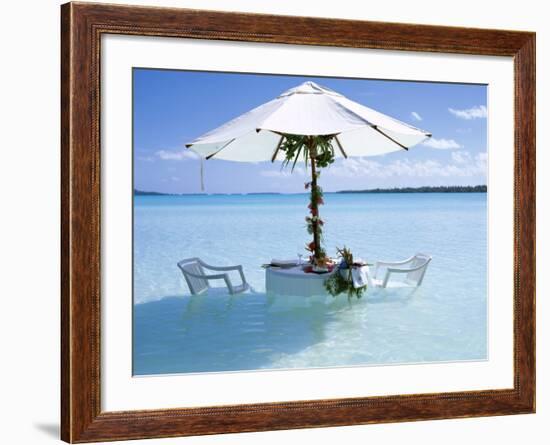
(338, 284)
(294, 146)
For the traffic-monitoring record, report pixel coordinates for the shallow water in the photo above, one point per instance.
(443, 320)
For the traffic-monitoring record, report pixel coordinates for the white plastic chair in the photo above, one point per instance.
(414, 269)
(197, 279)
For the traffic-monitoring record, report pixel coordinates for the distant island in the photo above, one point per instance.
(142, 193)
(427, 189)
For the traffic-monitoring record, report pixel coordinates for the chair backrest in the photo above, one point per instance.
(421, 261)
(193, 266)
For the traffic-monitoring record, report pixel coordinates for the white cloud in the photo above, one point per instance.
(462, 164)
(415, 115)
(275, 173)
(146, 158)
(461, 157)
(285, 172)
(442, 144)
(180, 155)
(477, 112)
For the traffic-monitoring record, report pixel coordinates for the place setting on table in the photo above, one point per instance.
(342, 274)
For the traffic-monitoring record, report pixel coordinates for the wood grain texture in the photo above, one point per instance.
(82, 27)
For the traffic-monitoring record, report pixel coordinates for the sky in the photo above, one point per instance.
(173, 107)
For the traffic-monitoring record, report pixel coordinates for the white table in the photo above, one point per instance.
(295, 282)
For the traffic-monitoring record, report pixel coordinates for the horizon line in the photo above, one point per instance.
(478, 188)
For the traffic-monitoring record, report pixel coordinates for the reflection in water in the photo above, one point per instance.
(222, 332)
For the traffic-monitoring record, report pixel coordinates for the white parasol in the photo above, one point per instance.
(311, 110)
(314, 121)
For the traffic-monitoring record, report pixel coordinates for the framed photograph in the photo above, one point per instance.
(275, 222)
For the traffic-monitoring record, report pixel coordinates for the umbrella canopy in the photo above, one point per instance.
(309, 110)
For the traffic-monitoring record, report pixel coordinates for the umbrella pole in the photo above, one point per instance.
(314, 203)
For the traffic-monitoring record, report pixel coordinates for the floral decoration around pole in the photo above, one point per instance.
(318, 152)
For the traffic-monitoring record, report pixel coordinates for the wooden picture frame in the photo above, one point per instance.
(82, 26)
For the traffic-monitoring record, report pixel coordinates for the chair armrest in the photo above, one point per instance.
(379, 264)
(388, 264)
(238, 268)
(391, 270)
(220, 268)
(406, 269)
(218, 276)
(393, 263)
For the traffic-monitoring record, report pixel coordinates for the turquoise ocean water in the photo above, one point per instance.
(444, 320)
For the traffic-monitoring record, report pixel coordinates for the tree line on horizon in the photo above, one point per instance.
(425, 189)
